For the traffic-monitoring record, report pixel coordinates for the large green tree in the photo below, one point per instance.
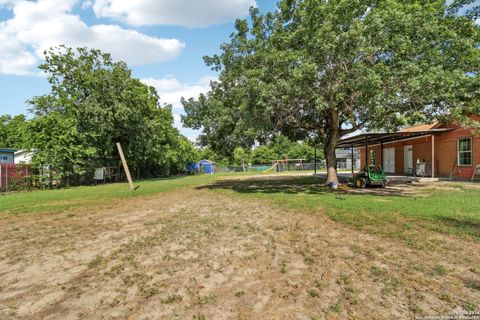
(95, 102)
(12, 131)
(318, 70)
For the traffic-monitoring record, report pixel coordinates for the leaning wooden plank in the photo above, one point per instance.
(125, 166)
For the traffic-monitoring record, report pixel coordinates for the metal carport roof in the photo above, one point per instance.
(376, 138)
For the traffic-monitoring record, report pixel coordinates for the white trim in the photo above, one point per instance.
(387, 143)
(471, 152)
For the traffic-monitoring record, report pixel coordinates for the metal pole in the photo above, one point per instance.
(1, 177)
(315, 161)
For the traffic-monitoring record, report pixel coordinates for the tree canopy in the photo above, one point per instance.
(280, 148)
(95, 102)
(318, 70)
(277, 148)
(12, 131)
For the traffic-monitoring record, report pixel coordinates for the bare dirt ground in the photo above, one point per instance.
(199, 254)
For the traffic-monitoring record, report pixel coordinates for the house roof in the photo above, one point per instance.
(375, 138)
(422, 127)
(7, 150)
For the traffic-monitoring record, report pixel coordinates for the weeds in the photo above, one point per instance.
(446, 297)
(149, 292)
(239, 294)
(95, 262)
(172, 298)
(203, 300)
(438, 270)
(313, 293)
(337, 307)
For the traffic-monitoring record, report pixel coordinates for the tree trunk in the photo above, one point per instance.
(331, 158)
(330, 143)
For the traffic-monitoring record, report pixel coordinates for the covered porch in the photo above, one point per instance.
(407, 155)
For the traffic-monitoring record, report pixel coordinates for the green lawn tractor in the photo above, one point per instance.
(371, 175)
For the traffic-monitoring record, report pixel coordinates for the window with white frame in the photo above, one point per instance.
(465, 152)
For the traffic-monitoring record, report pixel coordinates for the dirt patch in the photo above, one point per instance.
(199, 254)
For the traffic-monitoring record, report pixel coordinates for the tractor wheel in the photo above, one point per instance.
(360, 183)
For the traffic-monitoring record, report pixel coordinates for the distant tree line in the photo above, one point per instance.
(278, 148)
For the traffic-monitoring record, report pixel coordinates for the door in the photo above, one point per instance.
(408, 159)
(388, 157)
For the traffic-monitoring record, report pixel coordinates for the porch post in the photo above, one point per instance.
(366, 150)
(352, 159)
(381, 155)
(433, 156)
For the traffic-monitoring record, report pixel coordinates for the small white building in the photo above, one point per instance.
(23, 156)
(7, 155)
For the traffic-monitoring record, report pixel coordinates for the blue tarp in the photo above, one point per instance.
(207, 166)
(203, 166)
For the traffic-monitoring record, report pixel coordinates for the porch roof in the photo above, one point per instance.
(371, 138)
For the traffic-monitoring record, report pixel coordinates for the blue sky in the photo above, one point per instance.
(163, 41)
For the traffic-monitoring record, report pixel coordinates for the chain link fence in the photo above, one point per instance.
(277, 167)
(287, 167)
(17, 177)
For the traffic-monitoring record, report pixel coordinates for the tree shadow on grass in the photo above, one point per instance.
(463, 226)
(307, 185)
(271, 185)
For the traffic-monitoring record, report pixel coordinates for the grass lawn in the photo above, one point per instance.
(88, 196)
(57, 200)
(451, 208)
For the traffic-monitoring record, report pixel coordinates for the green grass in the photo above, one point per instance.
(454, 212)
(88, 196)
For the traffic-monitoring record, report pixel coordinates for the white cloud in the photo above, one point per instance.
(86, 4)
(36, 26)
(177, 121)
(13, 58)
(171, 90)
(190, 13)
(7, 3)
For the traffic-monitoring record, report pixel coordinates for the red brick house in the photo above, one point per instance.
(455, 150)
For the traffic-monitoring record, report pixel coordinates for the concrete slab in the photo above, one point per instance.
(344, 177)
